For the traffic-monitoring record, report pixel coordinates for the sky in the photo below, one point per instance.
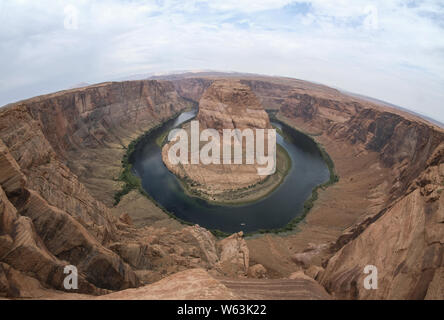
(389, 50)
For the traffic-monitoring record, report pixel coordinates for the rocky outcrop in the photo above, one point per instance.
(90, 116)
(158, 253)
(195, 284)
(226, 104)
(15, 284)
(67, 239)
(405, 244)
(46, 173)
(257, 271)
(403, 145)
(23, 254)
(234, 256)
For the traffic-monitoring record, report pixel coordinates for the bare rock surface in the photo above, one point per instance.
(234, 256)
(299, 287)
(224, 105)
(195, 284)
(257, 271)
(231, 105)
(159, 252)
(409, 257)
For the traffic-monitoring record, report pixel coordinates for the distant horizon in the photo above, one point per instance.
(149, 76)
(392, 50)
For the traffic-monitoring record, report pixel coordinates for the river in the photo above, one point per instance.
(272, 212)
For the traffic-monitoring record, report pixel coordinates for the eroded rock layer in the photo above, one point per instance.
(225, 104)
(231, 105)
(400, 229)
(49, 218)
(60, 157)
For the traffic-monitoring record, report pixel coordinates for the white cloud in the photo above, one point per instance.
(247, 5)
(399, 59)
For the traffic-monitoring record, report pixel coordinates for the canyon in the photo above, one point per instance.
(226, 106)
(61, 158)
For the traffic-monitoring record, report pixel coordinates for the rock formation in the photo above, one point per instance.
(234, 256)
(194, 284)
(410, 261)
(257, 271)
(400, 230)
(49, 219)
(224, 105)
(60, 159)
(153, 251)
(197, 284)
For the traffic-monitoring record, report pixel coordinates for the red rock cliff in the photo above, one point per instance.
(49, 219)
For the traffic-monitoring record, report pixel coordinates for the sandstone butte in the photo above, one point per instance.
(60, 157)
(226, 104)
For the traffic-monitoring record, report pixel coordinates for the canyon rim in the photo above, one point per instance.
(60, 165)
